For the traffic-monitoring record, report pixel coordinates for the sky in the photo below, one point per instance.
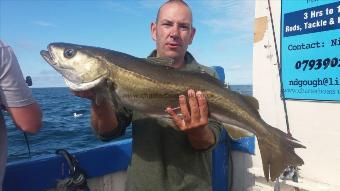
(224, 32)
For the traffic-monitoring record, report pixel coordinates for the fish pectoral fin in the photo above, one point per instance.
(99, 98)
(235, 132)
(101, 93)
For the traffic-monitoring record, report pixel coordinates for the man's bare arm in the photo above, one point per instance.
(27, 118)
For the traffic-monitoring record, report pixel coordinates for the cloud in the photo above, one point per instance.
(117, 6)
(131, 9)
(27, 45)
(232, 22)
(234, 67)
(223, 25)
(221, 5)
(238, 75)
(228, 43)
(48, 81)
(44, 24)
(237, 8)
(237, 15)
(48, 72)
(48, 78)
(150, 4)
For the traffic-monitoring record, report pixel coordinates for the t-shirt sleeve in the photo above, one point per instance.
(14, 91)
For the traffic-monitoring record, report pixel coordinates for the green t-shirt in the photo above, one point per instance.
(163, 158)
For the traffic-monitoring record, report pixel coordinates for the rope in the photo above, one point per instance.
(280, 72)
(27, 144)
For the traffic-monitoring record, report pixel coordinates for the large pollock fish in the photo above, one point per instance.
(142, 85)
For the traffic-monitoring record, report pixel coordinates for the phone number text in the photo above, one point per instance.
(317, 64)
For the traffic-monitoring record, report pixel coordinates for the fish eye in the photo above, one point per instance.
(69, 53)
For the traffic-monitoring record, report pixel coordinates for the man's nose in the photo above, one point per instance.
(174, 33)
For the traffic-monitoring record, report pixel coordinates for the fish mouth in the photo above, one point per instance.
(85, 85)
(48, 57)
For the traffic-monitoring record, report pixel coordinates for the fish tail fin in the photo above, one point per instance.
(277, 153)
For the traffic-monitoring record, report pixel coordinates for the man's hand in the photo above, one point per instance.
(194, 120)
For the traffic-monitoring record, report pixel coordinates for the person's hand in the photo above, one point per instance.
(191, 120)
(194, 120)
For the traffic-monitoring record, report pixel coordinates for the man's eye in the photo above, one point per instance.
(184, 27)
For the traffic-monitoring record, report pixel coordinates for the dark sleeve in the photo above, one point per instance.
(216, 127)
(124, 117)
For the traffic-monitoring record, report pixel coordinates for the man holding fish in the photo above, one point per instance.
(165, 158)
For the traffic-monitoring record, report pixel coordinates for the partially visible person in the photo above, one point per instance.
(16, 98)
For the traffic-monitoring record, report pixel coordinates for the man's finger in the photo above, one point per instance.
(184, 108)
(176, 118)
(203, 106)
(194, 110)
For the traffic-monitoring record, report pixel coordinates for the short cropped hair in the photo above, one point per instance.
(173, 1)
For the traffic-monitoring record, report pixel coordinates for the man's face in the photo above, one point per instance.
(173, 32)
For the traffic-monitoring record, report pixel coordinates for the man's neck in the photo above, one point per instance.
(178, 63)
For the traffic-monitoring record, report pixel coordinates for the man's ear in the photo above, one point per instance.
(193, 31)
(153, 31)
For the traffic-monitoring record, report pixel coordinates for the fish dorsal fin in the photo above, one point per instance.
(251, 101)
(163, 61)
(207, 76)
(167, 64)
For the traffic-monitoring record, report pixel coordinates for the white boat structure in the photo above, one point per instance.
(313, 116)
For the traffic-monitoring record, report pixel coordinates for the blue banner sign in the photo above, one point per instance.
(310, 49)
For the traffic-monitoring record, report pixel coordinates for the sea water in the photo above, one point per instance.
(66, 125)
